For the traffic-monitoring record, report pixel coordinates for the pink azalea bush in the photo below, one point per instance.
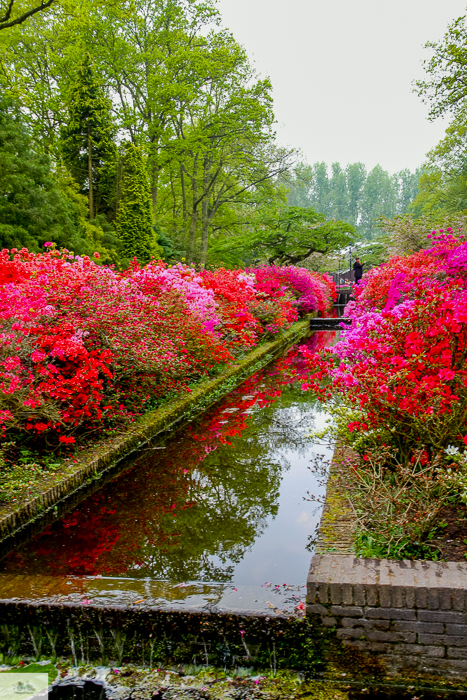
(397, 381)
(311, 291)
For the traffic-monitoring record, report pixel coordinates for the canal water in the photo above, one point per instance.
(220, 503)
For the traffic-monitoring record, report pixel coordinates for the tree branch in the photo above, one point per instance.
(4, 23)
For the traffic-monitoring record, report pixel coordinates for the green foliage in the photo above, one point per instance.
(169, 251)
(34, 206)
(182, 90)
(408, 233)
(134, 215)
(185, 92)
(445, 90)
(443, 187)
(287, 235)
(13, 13)
(88, 140)
(431, 197)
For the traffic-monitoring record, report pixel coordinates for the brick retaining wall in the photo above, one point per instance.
(402, 618)
(399, 619)
(406, 616)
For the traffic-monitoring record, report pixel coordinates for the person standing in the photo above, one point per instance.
(358, 270)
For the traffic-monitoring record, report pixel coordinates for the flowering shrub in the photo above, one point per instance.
(83, 345)
(311, 291)
(398, 377)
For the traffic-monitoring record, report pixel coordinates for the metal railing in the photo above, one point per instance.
(348, 276)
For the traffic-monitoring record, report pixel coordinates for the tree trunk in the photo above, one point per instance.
(185, 215)
(206, 214)
(194, 221)
(91, 197)
(205, 232)
(194, 211)
(154, 189)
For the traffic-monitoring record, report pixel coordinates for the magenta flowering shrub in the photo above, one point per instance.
(398, 382)
(83, 346)
(402, 363)
(310, 290)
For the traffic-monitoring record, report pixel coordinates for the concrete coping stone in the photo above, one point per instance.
(346, 580)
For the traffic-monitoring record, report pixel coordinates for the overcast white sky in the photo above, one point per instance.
(342, 73)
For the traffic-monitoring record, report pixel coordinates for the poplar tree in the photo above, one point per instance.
(88, 141)
(134, 222)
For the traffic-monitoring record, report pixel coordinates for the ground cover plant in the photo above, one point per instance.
(397, 383)
(86, 349)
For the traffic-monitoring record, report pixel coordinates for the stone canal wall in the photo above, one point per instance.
(400, 619)
(405, 617)
(337, 526)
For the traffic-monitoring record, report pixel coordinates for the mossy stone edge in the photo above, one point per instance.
(337, 527)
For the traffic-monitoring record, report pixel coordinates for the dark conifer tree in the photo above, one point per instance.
(33, 208)
(88, 141)
(134, 215)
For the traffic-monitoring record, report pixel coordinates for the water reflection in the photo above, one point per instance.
(203, 506)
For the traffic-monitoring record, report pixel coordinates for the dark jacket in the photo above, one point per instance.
(358, 269)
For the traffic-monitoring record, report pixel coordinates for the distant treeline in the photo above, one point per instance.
(352, 194)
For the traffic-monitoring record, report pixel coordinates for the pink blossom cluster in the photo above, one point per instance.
(310, 290)
(403, 362)
(186, 282)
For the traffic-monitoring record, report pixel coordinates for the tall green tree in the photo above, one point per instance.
(153, 54)
(445, 88)
(298, 181)
(88, 140)
(378, 199)
(287, 236)
(320, 195)
(356, 177)
(224, 138)
(407, 187)
(351, 194)
(134, 222)
(39, 203)
(339, 193)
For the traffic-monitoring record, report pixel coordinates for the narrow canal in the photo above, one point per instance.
(217, 518)
(218, 511)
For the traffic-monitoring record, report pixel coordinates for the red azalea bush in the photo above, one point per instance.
(83, 345)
